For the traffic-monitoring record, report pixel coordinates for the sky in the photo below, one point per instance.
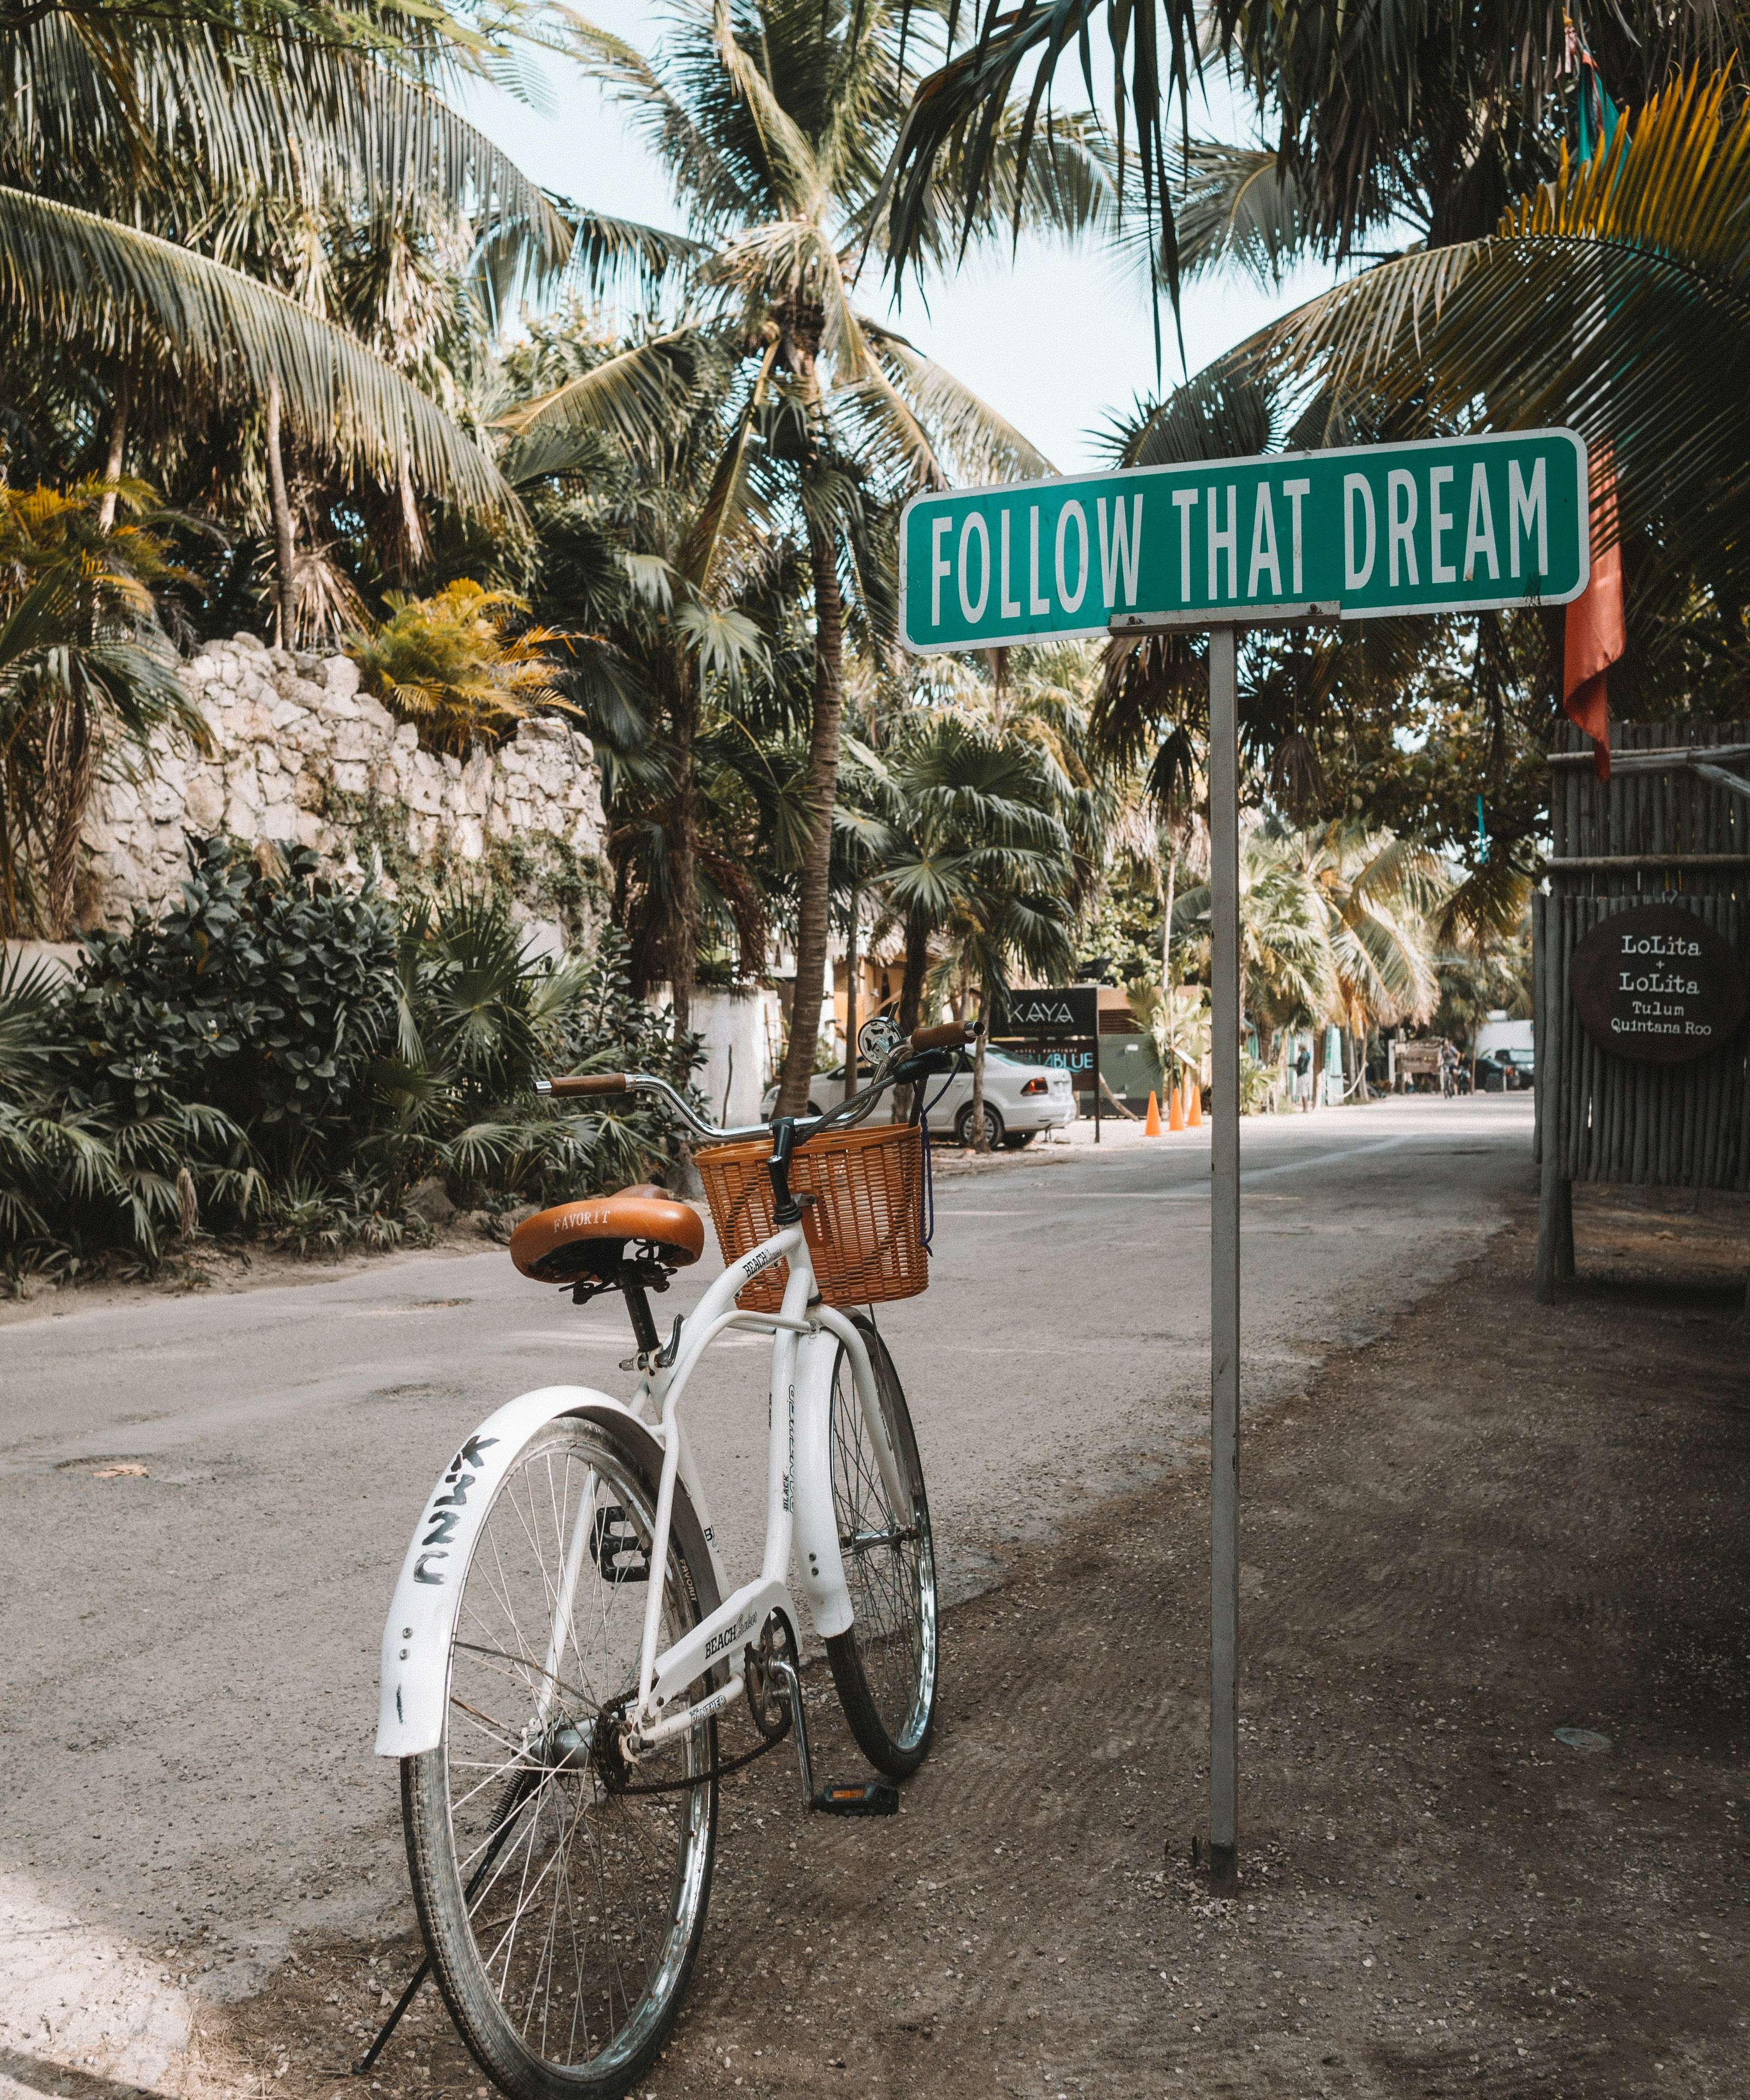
(1054, 337)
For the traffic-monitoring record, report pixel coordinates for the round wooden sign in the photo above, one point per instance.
(1657, 983)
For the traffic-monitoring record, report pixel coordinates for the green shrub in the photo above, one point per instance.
(1260, 1087)
(277, 1056)
(482, 1018)
(267, 995)
(85, 1182)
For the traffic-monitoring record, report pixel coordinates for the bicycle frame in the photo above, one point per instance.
(799, 1511)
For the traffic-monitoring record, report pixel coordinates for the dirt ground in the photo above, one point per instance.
(1496, 1521)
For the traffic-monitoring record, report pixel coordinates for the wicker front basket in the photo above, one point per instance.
(865, 1228)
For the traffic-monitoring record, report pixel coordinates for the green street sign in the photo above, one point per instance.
(1451, 525)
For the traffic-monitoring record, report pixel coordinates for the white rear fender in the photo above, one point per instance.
(416, 1637)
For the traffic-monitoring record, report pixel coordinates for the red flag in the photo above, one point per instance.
(1595, 638)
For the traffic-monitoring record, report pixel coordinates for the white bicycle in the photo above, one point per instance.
(563, 1636)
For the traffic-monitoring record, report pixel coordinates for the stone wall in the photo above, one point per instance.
(299, 754)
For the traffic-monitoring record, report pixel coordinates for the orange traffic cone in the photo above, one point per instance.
(1176, 1109)
(1152, 1127)
(1194, 1098)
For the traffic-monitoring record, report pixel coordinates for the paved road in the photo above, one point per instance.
(191, 1656)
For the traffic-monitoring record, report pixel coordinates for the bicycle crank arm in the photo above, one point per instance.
(862, 1797)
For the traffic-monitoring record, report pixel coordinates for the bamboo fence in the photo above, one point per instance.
(1660, 836)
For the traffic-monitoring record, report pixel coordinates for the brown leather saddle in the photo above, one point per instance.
(574, 1241)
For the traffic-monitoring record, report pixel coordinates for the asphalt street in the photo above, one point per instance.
(190, 1654)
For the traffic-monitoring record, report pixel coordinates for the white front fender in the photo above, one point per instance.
(422, 1618)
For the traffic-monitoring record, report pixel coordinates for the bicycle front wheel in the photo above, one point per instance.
(885, 1668)
(562, 1908)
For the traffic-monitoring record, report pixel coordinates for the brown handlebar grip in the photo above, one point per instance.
(951, 1035)
(589, 1082)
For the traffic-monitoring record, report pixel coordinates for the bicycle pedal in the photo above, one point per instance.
(874, 1798)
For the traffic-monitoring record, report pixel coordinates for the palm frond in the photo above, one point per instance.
(113, 290)
(791, 170)
(1240, 207)
(631, 398)
(705, 178)
(1228, 410)
(607, 251)
(981, 444)
(140, 99)
(1616, 299)
(957, 111)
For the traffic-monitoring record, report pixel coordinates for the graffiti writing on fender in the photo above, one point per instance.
(445, 1513)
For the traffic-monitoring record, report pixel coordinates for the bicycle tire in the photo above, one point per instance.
(544, 2020)
(886, 1668)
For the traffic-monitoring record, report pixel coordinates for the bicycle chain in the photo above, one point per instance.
(617, 1786)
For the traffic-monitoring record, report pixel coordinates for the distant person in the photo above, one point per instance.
(1448, 1070)
(1304, 1078)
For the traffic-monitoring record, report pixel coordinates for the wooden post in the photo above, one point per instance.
(1555, 1206)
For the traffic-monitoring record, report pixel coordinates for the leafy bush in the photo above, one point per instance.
(452, 666)
(266, 994)
(280, 1057)
(1260, 1087)
(80, 1180)
(481, 1018)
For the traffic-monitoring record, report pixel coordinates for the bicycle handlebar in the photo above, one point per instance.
(592, 1083)
(952, 1036)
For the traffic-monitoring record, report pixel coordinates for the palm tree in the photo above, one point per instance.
(1435, 121)
(957, 829)
(1332, 928)
(204, 213)
(775, 119)
(1288, 973)
(1613, 299)
(87, 676)
(674, 655)
(134, 143)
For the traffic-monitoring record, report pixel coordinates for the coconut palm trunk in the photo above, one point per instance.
(820, 791)
(683, 833)
(980, 1136)
(70, 772)
(118, 443)
(280, 503)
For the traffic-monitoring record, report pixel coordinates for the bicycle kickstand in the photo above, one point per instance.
(868, 1798)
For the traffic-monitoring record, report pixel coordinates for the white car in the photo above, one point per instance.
(1020, 1099)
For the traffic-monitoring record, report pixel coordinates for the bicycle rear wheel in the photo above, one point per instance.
(885, 1668)
(563, 1912)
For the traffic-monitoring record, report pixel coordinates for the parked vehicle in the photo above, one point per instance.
(1021, 1099)
(1506, 1069)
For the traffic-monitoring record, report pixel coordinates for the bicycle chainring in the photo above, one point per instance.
(768, 1701)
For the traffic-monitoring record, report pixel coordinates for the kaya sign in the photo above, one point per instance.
(1657, 983)
(1452, 525)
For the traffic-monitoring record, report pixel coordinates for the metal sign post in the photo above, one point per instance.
(1224, 1259)
(1447, 525)
(1225, 1210)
